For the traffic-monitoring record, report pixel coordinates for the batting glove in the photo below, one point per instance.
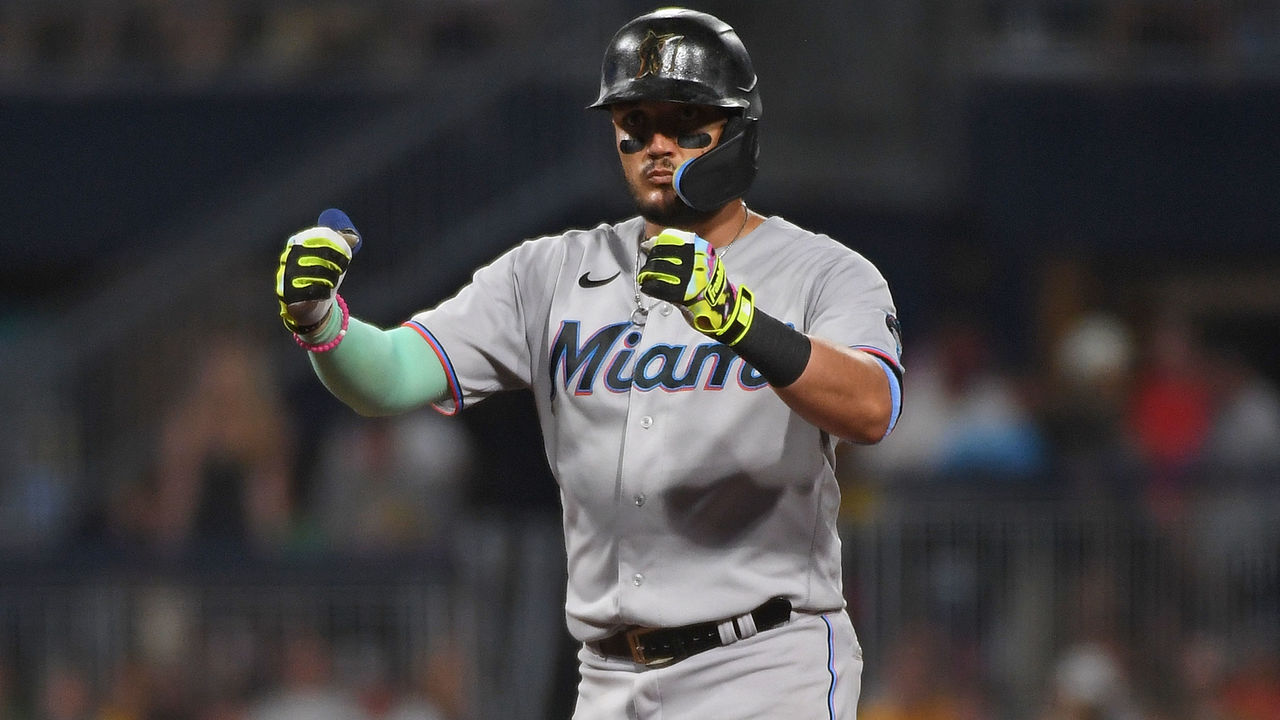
(311, 269)
(683, 269)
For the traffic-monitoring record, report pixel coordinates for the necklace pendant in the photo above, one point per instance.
(639, 316)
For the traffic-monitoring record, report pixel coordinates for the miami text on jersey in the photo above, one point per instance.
(612, 349)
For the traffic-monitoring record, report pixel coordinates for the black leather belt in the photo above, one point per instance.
(658, 647)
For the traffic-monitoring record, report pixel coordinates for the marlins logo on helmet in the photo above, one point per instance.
(651, 52)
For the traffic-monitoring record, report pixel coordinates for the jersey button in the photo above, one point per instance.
(637, 579)
(665, 309)
(646, 422)
(639, 499)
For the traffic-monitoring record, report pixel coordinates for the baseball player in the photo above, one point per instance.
(693, 368)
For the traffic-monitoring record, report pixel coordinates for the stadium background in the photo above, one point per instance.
(1076, 203)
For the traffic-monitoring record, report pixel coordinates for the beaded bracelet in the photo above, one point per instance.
(326, 347)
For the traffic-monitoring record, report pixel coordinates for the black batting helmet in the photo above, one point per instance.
(681, 55)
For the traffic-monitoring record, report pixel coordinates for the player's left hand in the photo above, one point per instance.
(682, 268)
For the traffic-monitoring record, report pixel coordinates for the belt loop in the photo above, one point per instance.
(747, 626)
(727, 634)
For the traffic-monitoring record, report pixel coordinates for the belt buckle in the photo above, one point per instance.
(638, 656)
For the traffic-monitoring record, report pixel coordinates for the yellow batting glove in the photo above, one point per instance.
(683, 269)
(311, 268)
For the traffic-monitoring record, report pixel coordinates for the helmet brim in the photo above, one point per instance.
(665, 89)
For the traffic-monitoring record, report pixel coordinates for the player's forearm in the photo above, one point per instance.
(381, 372)
(843, 391)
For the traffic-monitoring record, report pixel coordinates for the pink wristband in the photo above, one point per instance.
(326, 347)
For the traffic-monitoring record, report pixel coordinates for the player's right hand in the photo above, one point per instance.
(683, 269)
(311, 268)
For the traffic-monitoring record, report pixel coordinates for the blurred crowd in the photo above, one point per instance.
(232, 474)
(235, 482)
(928, 678)
(202, 43)
(1153, 415)
(1161, 435)
(300, 680)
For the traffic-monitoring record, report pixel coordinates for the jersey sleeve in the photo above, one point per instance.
(481, 334)
(852, 305)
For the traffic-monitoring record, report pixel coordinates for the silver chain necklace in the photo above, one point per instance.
(641, 313)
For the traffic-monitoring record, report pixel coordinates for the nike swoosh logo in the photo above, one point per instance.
(588, 282)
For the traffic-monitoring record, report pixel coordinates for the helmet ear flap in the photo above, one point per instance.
(724, 172)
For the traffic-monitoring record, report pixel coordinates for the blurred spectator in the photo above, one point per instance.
(230, 661)
(1243, 443)
(390, 484)
(39, 473)
(361, 669)
(963, 417)
(1201, 679)
(129, 694)
(1090, 684)
(1252, 690)
(226, 456)
(1096, 352)
(199, 38)
(66, 694)
(1084, 406)
(1170, 413)
(439, 690)
(308, 689)
(917, 684)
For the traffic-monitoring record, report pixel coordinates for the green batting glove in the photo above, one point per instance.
(311, 268)
(683, 269)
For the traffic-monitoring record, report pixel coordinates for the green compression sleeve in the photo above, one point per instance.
(382, 372)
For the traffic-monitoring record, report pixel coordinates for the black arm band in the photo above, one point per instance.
(776, 350)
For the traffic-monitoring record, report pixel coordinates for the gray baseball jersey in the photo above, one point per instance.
(690, 491)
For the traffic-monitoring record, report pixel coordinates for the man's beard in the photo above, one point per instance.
(670, 211)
